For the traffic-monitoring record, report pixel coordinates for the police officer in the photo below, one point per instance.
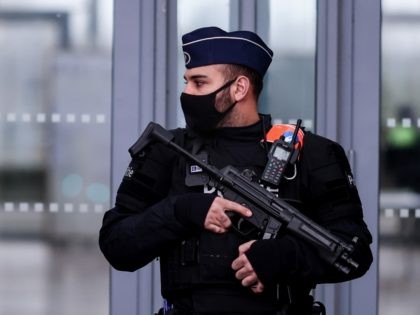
(165, 209)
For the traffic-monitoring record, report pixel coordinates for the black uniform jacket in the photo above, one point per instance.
(157, 216)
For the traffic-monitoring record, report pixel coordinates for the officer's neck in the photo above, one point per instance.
(242, 115)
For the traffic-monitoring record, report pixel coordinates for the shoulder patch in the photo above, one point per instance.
(129, 172)
(287, 131)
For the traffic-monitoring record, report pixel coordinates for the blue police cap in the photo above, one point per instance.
(212, 45)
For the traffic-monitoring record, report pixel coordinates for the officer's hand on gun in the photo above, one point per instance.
(244, 270)
(218, 221)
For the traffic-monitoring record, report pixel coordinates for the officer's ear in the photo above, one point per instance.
(241, 87)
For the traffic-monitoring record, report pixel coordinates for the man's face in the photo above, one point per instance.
(205, 80)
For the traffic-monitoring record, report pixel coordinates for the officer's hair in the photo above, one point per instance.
(232, 71)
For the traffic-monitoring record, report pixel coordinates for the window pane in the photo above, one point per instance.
(55, 104)
(194, 14)
(400, 153)
(290, 26)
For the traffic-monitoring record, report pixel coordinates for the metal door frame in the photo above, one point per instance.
(348, 102)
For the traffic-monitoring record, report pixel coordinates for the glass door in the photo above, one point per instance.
(399, 276)
(345, 62)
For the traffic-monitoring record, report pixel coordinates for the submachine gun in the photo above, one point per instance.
(269, 213)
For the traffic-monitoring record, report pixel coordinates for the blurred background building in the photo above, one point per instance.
(73, 72)
(55, 129)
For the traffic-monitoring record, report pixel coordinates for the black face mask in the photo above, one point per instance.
(200, 110)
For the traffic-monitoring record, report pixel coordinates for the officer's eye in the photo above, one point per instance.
(198, 83)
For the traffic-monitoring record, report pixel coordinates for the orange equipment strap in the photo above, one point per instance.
(287, 131)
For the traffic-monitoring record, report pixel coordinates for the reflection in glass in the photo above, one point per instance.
(400, 155)
(55, 83)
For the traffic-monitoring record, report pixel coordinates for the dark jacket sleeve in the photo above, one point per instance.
(147, 219)
(333, 202)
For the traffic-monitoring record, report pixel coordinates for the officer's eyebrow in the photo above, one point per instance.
(195, 77)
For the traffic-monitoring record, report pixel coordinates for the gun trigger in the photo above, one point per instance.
(239, 224)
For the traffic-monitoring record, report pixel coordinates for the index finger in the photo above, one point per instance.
(238, 263)
(236, 207)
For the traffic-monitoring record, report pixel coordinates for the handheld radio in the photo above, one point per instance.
(282, 153)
